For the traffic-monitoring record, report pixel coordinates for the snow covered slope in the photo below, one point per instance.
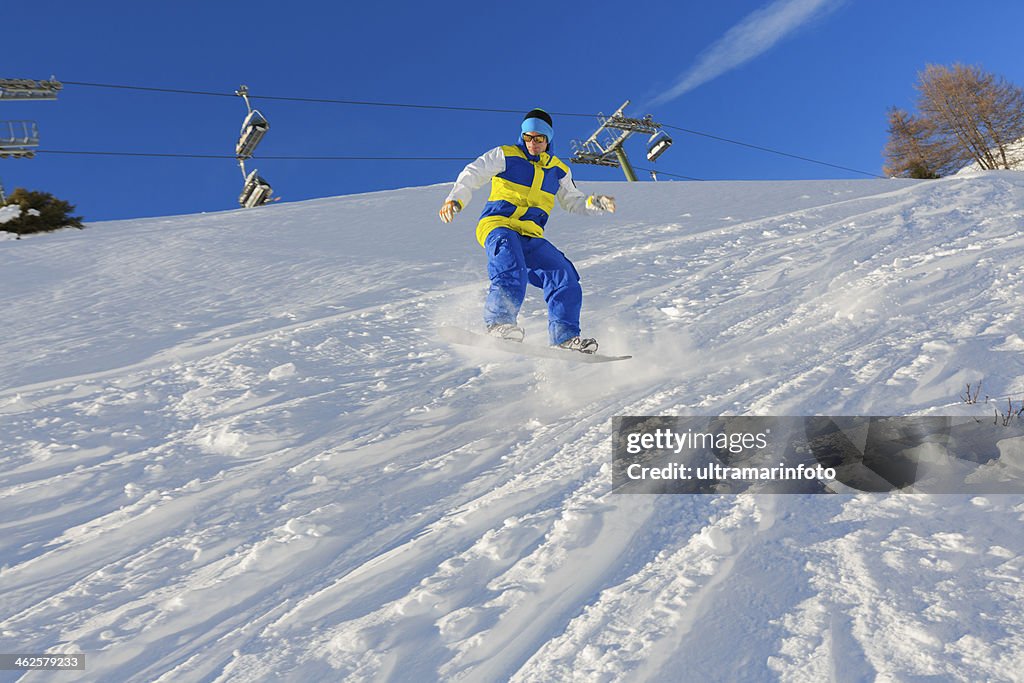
(1014, 158)
(234, 450)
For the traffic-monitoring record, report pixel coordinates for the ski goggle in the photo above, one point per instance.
(527, 137)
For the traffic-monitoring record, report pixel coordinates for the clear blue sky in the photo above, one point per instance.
(809, 77)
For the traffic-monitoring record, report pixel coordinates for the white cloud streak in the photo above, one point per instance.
(752, 37)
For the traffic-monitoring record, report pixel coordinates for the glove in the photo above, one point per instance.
(601, 201)
(448, 210)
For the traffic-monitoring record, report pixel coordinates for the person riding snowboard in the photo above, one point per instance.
(525, 181)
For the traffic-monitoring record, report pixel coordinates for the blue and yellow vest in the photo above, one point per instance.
(522, 195)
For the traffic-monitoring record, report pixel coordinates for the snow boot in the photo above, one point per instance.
(507, 331)
(581, 345)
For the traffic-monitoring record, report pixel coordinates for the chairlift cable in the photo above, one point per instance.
(318, 100)
(404, 105)
(772, 151)
(673, 175)
(231, 156)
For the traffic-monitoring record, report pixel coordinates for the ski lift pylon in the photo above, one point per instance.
(657, 145)
(29, 89)
(18, 139)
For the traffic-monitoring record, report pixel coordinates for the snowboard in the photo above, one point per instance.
(457, 335)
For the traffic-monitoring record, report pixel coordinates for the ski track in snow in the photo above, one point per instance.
(234, 451)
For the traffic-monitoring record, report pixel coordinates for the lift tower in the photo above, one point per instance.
(619, 128)
(19, 139)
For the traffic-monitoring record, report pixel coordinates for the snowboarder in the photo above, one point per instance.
(525, 181)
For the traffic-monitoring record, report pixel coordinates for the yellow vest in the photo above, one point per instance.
(523, 195)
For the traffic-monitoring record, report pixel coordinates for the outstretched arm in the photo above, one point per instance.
(574, 201)
(474, 176)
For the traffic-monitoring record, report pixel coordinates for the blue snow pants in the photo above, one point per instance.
(513, 261)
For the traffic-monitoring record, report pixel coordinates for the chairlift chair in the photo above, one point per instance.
(255, 192)
(657, 145)
(254, 128)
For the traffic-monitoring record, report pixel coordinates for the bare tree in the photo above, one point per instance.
(965, 115)
(910, 150)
